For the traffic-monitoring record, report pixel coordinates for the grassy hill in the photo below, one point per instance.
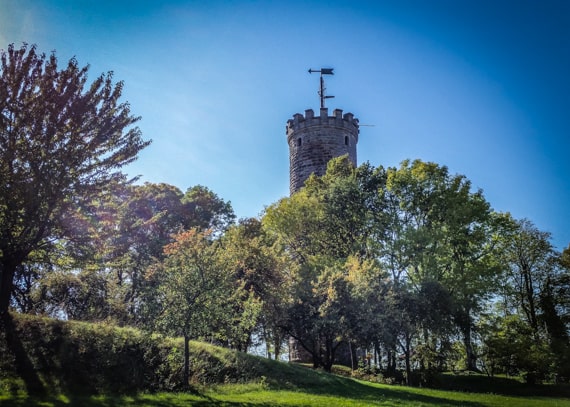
(79, 364)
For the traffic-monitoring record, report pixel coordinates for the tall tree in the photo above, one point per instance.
(144, 221)
(321, 227)
(563, 288)
(445, 235)
(258, 272)
(61, 144)
(539, 287)
(530, 260)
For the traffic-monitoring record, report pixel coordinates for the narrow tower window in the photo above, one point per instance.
(299, 142)
(345, 140)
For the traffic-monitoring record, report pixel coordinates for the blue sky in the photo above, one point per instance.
(480, 86)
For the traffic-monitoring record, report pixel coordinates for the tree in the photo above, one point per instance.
(444, 233)
(257, 272)
(123, 233)
(511, 347)
(193, 291)
(529, 258)
(562, 289)
(320, 228)
(538, 286)
(205, 210)
(61, 144)
(144, 219)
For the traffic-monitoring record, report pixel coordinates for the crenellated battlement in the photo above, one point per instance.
(337, 120)
(315, 140)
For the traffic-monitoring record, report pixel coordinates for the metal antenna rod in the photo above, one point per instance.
(323, 71)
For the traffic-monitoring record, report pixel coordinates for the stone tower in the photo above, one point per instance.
(314, 140)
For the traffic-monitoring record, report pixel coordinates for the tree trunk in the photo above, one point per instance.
(277, 345)
(377, 357)
(186, 361)
(406, 347)
(7, 271)
(463, 321)
(351, 356)
(316, 361)
(266, 339)
(408, 363)
(329, 356)
(391, 360)
(470, 356)
(529, 291)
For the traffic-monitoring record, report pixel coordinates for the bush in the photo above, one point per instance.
(93, 358)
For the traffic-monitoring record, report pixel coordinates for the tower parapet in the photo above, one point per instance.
(315, 140)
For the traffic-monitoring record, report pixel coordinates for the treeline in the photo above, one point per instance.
(415, 269)
(406, 267)
(402, 269)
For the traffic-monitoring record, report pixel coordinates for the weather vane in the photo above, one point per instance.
(323, 71)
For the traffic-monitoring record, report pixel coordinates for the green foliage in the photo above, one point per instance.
(106, 277)
(536, 290)
(323, 231)
(191, 286)
(198, 297)
(206, 210)
(402, 261)
(420, 224)
(257, 271)
(512, 348)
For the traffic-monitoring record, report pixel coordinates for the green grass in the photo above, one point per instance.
(321, 389)
(220, 377)
(355, 394)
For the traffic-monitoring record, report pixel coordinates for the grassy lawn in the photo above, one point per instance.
(69, 377)
(339, 392)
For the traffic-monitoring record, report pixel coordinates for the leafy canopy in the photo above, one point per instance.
(62, 142)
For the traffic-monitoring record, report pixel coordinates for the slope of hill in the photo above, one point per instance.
(54, 363)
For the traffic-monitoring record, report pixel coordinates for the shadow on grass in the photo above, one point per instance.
(293, 377)
(306, 381)
(341, 387)
(500, 385)
(160, 400)
(174, 400)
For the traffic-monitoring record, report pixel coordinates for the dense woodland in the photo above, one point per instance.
(409, 268)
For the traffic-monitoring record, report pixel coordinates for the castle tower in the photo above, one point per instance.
(315, 140)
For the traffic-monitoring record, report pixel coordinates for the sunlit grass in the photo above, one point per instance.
(223, 377)
(351, 393)
(383, 395)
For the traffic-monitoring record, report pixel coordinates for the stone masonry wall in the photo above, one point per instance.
(314, 140)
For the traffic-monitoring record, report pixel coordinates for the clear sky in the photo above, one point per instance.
(481, 86)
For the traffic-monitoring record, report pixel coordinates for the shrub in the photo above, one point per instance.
(92, 358)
